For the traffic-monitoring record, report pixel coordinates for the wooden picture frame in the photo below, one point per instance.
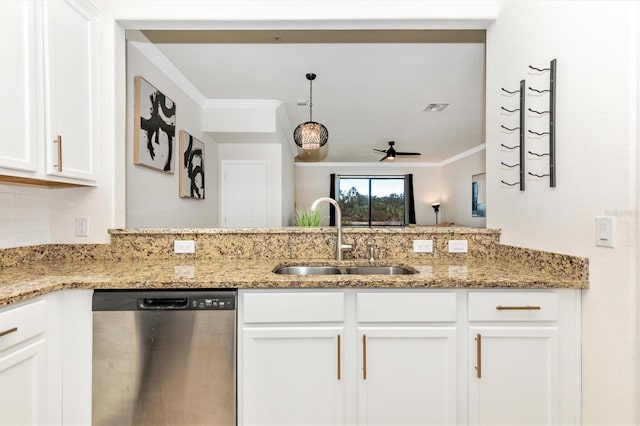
(154, 127)
(191, 170)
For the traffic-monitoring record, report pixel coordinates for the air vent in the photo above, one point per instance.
(435, 107)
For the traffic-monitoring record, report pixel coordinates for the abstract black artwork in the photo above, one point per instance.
(155, 127)
(191, 166)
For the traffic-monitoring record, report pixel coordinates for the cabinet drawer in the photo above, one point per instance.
(513, 306)
(21, 323)
(406, 307)
(293, 307)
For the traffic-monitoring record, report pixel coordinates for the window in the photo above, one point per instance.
(372, 200)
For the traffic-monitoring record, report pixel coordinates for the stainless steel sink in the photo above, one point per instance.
(307, 270)
(379, 270)
(335, 270)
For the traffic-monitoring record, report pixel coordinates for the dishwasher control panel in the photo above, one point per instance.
(216, 303)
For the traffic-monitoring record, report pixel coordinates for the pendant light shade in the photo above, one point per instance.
(311, 135)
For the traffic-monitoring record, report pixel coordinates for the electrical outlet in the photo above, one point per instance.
(82, 227)
(423, 246)
(184, 246)
(458, 246)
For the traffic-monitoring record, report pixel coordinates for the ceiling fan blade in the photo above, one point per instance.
(380, 150)
(383, 158)
(408, 153)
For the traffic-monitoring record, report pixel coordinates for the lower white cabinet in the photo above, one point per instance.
(22, 384)
(292, 376)
(409, 357)
(407, 376)
(524, 357)
(23, 364)
(515, 376)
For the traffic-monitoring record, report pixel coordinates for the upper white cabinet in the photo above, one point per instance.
(47, 79)
(18, 86)
(70, 105)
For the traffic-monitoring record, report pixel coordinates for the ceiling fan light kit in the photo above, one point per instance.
(311, 135)
(391, 153)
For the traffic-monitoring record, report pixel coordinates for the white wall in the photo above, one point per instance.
(455, 190)
(152, 197)
(596, 46)
(313, 181)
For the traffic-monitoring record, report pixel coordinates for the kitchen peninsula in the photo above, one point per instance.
(245, 258)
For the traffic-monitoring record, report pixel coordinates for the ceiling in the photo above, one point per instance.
(371, 86)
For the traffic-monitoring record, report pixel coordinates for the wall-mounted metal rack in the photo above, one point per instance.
(552, 122)
(521, 130)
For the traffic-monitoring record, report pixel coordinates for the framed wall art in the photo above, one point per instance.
(191, 166)
(155, 127)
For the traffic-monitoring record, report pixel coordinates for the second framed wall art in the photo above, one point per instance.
(191, 166)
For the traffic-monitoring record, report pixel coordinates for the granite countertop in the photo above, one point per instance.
(25, 281)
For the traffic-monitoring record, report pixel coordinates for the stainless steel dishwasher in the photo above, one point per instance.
(164, 357)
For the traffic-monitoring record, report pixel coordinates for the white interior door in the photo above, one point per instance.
(244, 194)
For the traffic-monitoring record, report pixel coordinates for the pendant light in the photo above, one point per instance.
(310, 135)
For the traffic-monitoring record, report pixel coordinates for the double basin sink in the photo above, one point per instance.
(338, 270)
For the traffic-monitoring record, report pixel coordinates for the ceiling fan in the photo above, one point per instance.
(391, 153)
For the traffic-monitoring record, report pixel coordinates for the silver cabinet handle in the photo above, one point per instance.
(59, 142)
(8, 331)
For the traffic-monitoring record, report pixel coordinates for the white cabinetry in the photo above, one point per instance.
(516, 364)
(409, 357)
(48, 108)
(406, 358)
(23, 365)
(291, 359)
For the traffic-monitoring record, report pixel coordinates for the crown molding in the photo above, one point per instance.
(138, 41)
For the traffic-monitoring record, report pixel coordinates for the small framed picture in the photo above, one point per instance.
(191, 166)
(154, 128)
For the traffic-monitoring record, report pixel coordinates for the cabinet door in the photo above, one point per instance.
(407, 375)
(18, 86)
(292, 376)
(70, 105)
(514, 376)
(22, 385)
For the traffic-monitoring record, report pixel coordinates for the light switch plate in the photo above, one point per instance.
(184, 246)
(458, 246)
(423, 246)
(605, 231)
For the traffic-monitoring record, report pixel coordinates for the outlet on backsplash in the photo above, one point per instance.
(184, 246)
(423, 246)
(458, 246)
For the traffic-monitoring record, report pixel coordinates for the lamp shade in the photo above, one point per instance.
(311, 135)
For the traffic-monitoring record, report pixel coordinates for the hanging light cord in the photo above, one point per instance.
(310, 100)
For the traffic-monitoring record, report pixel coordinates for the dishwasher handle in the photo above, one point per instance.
(163, 304)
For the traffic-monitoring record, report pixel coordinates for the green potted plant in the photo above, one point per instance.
(308, 217)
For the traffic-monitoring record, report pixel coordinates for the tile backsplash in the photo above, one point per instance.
(24, 215)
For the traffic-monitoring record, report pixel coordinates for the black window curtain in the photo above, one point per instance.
(410, 204)
(332, 194)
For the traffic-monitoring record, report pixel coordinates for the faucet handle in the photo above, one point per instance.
(372, 251)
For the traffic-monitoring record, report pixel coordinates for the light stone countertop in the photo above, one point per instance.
(18, 283)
